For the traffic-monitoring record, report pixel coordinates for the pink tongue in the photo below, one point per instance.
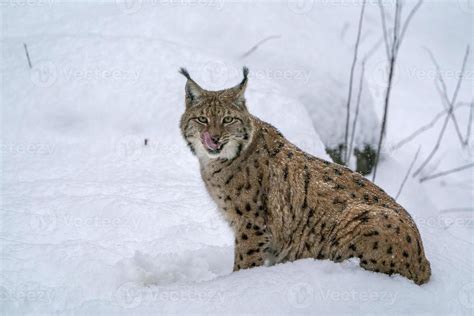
(206, 137)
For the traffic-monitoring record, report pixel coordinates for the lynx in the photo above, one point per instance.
(284, 204)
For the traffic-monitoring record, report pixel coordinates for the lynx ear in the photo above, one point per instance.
(239, 90)
(193, 90)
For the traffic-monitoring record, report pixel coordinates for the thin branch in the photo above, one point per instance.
(384, 28)
(356, 115)
(444, 97)
(469, 125)
(393, 57)
(398, 15)
(424, 128)
(255, 47)
(444, 90)
(27, 55)
(461, 75)
(444, 173)
(457, 209)
(408, 173)
(435, 148)
(451, 109)
(374, 48)
(407, 22)
(351, 78)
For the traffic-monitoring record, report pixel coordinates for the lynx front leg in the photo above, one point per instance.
(251, 245)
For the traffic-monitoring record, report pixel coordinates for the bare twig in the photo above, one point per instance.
(392, 53)
(356, 115)
(393, 56)
(27, 55)
(351, 78)
(384, 28)
(407, 22)
(374, 48)
(444, 90)
(255, 47)
(424, 128)
(469, 125)
(457, 209)
(444, 173)
(435, 148)
(408, 173)
(451, 109)
(445, 99)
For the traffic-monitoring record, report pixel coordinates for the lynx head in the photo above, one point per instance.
(216, 124)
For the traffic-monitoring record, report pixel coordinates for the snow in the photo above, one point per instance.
(94, 222)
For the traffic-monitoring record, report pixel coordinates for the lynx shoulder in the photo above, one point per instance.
(284, 204)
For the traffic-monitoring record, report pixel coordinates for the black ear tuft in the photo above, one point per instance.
(245, 71)
(185, 73)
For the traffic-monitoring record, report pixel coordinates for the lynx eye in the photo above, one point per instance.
(227, 119)
(202, 119)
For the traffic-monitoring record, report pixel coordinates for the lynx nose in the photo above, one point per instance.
(215, 138)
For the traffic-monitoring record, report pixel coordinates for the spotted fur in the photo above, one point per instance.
(284, 204)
